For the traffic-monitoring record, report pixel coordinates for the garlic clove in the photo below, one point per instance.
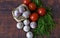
(20, 25)
(26, 14)
(21, 9)
(29, 35)
(26, 28)
(33, 25)
(26, 22)
(16, 13)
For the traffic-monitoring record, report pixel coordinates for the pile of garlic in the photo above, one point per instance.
(25, 24)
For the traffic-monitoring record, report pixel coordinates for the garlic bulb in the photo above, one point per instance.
(33, 25)
(21, 9)
(26, 14)
(29, 35)
(26, 28)
(16, 13)
(20, 25)
(26, 22)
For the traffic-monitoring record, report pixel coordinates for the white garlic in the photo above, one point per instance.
(29, 35)
(16, 13)
(26, 14)
(20, 25)
(26, 28)
(21, 9)
(33, 25)
(26, 22)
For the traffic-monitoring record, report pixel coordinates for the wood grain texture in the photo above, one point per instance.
(8, 24)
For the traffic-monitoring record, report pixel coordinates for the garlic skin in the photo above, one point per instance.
(26, 28)
(20, 25)
(16, 13)
(21, 9)
(33, 25)
(29, 35)
(26, 14)
(26, 22)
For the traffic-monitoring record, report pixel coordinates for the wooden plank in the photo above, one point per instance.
(8, 24)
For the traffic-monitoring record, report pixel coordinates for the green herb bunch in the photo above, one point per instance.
(45, 23)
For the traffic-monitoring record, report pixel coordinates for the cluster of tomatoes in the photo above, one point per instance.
(40, 11)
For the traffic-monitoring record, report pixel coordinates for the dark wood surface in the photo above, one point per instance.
(8, 24)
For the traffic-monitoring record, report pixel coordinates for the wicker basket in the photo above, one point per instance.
(20, 18)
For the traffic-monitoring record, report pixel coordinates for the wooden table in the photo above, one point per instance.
(8, 24)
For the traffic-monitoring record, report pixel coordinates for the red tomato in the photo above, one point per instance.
(26, 2)
(32, 6)
(42, 11)
(34, 17)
